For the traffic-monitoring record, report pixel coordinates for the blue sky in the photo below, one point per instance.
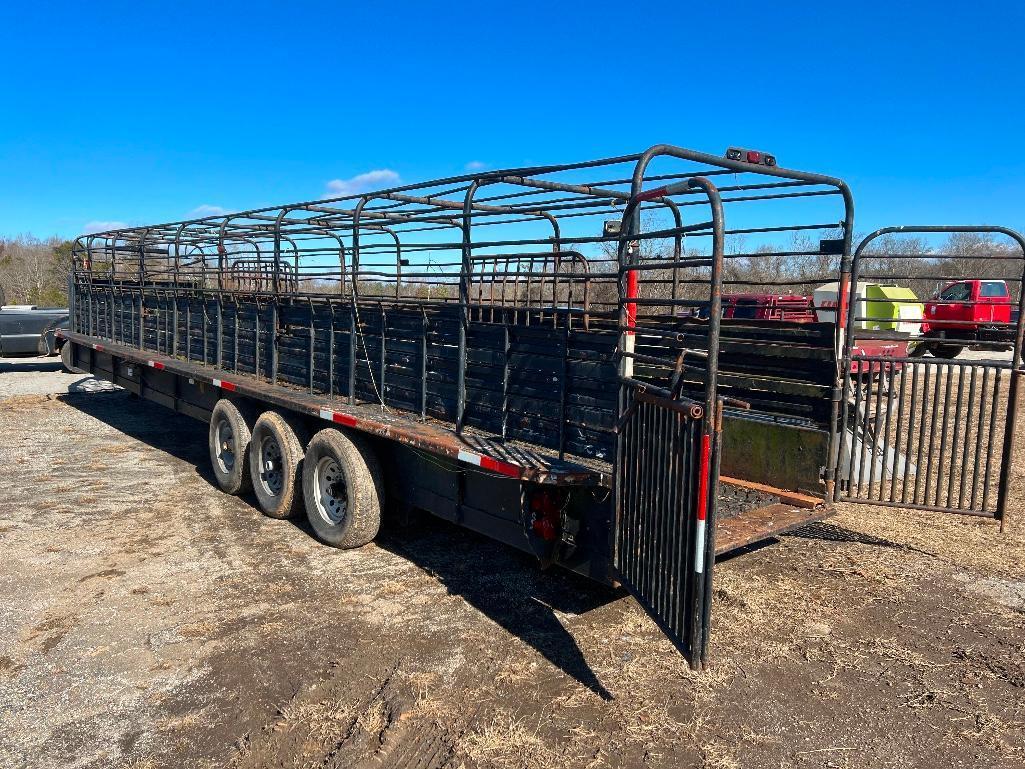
(146, 112)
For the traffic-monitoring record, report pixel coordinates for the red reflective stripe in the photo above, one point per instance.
(500, 467)
(156, 364)
(343, 419)
(631, 293)
(97, 346)
(706, 446)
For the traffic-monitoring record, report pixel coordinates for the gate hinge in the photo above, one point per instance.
(836, 394)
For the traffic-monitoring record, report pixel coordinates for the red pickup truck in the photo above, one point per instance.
(968, 313)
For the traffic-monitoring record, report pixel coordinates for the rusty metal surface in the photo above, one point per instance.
(735, 532)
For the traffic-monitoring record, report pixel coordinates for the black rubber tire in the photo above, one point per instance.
(66, 352)
(45, 348)
(230, 469)
(945, 351)
(363, 488)
(278, 491)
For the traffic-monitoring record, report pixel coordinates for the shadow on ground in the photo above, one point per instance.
(505, 585)
(830, 532)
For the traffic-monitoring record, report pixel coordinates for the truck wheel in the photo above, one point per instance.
(945, 351)
(230, 438)
(45, 347)
(343, 487)
(67, 353)
(275, 464)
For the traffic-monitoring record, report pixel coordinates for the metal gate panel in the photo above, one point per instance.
(926, 435)
(662, 537)
(919, 428)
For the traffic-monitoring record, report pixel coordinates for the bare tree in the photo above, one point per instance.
(34, 271)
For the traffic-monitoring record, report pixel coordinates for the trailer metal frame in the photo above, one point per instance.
(564, 352)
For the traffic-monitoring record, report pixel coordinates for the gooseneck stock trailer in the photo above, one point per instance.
(536, 354)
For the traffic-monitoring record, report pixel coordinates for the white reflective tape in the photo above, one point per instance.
(466, 456)
(328, 415)
(699, 553)
(217, 383)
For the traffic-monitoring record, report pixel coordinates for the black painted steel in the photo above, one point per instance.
(920, 428)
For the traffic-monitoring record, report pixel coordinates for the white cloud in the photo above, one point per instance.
(207, 210)
(371, 180)
(476, 165)
(100, 226)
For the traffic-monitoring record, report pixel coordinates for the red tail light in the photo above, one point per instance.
(546, 513)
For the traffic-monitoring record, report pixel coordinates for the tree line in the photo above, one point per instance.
(34, 271)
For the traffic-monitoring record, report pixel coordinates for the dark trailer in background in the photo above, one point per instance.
(536, 354)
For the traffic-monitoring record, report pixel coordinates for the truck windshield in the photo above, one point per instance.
(959, 292)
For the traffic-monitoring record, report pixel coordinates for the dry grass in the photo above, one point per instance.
(505, 740)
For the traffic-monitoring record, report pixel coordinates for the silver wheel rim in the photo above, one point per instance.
(272, 476)
(332, 501)
(225, 446)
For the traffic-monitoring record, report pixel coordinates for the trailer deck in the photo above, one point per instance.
(749, 512)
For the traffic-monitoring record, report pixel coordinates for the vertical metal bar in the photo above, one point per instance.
(563, 389)
(888, 450)
(257, 371)
(658, 511)
(910, 432)
(921, 432)
(859, 432)
(423, 365)
(706, 619)
(313, 343)
(941, 454)
(353, 352)
(898, 457)
(991, 443)
(983, 398)
(877, 420)
(966, 450)
(174, 329)
(955, 442)
(384, 353)
(275, 322)
(206, 322)
(1017, 371)
(220, 329)
(235, 310)
(506, 347)
(933, 414)
(331, 345)
(464, 303)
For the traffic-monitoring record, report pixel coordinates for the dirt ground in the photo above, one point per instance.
(147, 620)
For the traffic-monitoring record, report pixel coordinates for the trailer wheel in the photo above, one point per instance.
(230, 438)
(67, 355)
(275, 464)
(343, 487)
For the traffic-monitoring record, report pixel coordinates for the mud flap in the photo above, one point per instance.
(664, 526)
